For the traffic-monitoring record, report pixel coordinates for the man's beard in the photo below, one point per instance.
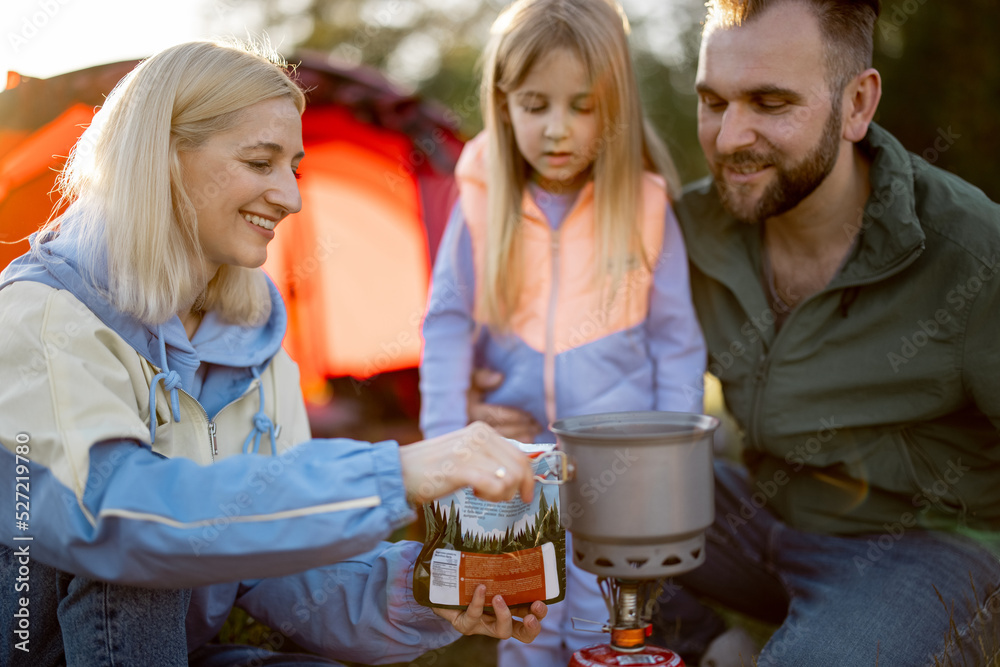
(792, 184)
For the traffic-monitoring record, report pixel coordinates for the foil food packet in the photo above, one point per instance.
(517, 549)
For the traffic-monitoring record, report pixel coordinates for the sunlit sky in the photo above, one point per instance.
(43, 38)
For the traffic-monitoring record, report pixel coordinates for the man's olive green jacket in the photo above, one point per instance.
(875, 408)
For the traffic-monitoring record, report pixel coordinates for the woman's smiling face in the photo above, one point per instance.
(243, 182)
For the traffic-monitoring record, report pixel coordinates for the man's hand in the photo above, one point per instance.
(474, 621)
(508, 422)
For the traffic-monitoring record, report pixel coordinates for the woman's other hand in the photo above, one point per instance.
(501, 624)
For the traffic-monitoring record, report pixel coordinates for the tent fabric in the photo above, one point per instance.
(353, 265)
(355, 260)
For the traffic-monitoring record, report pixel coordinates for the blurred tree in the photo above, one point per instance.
(939, 61)
(666, 72)
(940, 65)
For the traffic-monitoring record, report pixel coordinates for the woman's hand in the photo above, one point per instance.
(475, 456)
(474, 621)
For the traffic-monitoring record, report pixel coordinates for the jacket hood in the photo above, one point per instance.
(236, 354)
(57, 265)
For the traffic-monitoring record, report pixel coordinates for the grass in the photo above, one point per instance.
(476, 651)
(984, 647)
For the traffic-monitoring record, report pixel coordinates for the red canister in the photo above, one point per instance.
(603, 655)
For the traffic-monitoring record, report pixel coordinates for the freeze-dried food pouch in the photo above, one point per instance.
(517, 549)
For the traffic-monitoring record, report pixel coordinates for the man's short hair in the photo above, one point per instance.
(848, 28)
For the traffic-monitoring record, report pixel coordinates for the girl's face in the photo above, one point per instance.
(553, 114)
(242, 183)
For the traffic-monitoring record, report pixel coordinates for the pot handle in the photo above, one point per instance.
(559, 472)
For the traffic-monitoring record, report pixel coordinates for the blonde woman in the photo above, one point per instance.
(563, 266)
(150, 413)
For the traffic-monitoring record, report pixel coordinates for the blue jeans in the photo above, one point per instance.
(904, 597)
(82, 622)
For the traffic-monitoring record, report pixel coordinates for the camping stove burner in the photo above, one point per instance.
(630, 608)
(630, 604)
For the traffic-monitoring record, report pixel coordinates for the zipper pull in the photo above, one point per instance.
(211, 435)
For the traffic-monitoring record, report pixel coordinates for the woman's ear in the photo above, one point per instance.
(861, 98)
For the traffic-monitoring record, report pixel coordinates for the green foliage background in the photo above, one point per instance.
(939, 60)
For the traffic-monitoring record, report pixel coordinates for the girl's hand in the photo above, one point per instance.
(474, 621)
(475, 456)
(509, 422)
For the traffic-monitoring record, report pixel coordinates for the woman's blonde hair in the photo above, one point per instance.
(128, 207)
(597, 32)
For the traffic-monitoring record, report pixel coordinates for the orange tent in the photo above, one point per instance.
(353, 266)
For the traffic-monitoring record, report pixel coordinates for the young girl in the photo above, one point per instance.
(562, 266)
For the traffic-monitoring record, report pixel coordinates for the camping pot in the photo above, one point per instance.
(642, 493)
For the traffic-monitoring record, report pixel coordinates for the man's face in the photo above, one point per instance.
(770, 131)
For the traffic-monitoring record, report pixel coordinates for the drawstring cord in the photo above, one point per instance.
(171, 382)
(261, 424)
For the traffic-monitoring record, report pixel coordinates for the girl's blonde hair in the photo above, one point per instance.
(597, 32)
(128, 207)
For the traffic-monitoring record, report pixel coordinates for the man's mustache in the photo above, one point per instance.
(745, 158)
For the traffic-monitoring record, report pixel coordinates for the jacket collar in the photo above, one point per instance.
(889, 238)
(890, 232)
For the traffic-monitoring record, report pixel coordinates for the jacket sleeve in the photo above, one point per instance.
(361, 609)
(104, 505)
(676, 344)
(151, 521)
(448, 331)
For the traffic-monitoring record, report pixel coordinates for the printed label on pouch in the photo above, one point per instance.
(521, 577)
(444, 576)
